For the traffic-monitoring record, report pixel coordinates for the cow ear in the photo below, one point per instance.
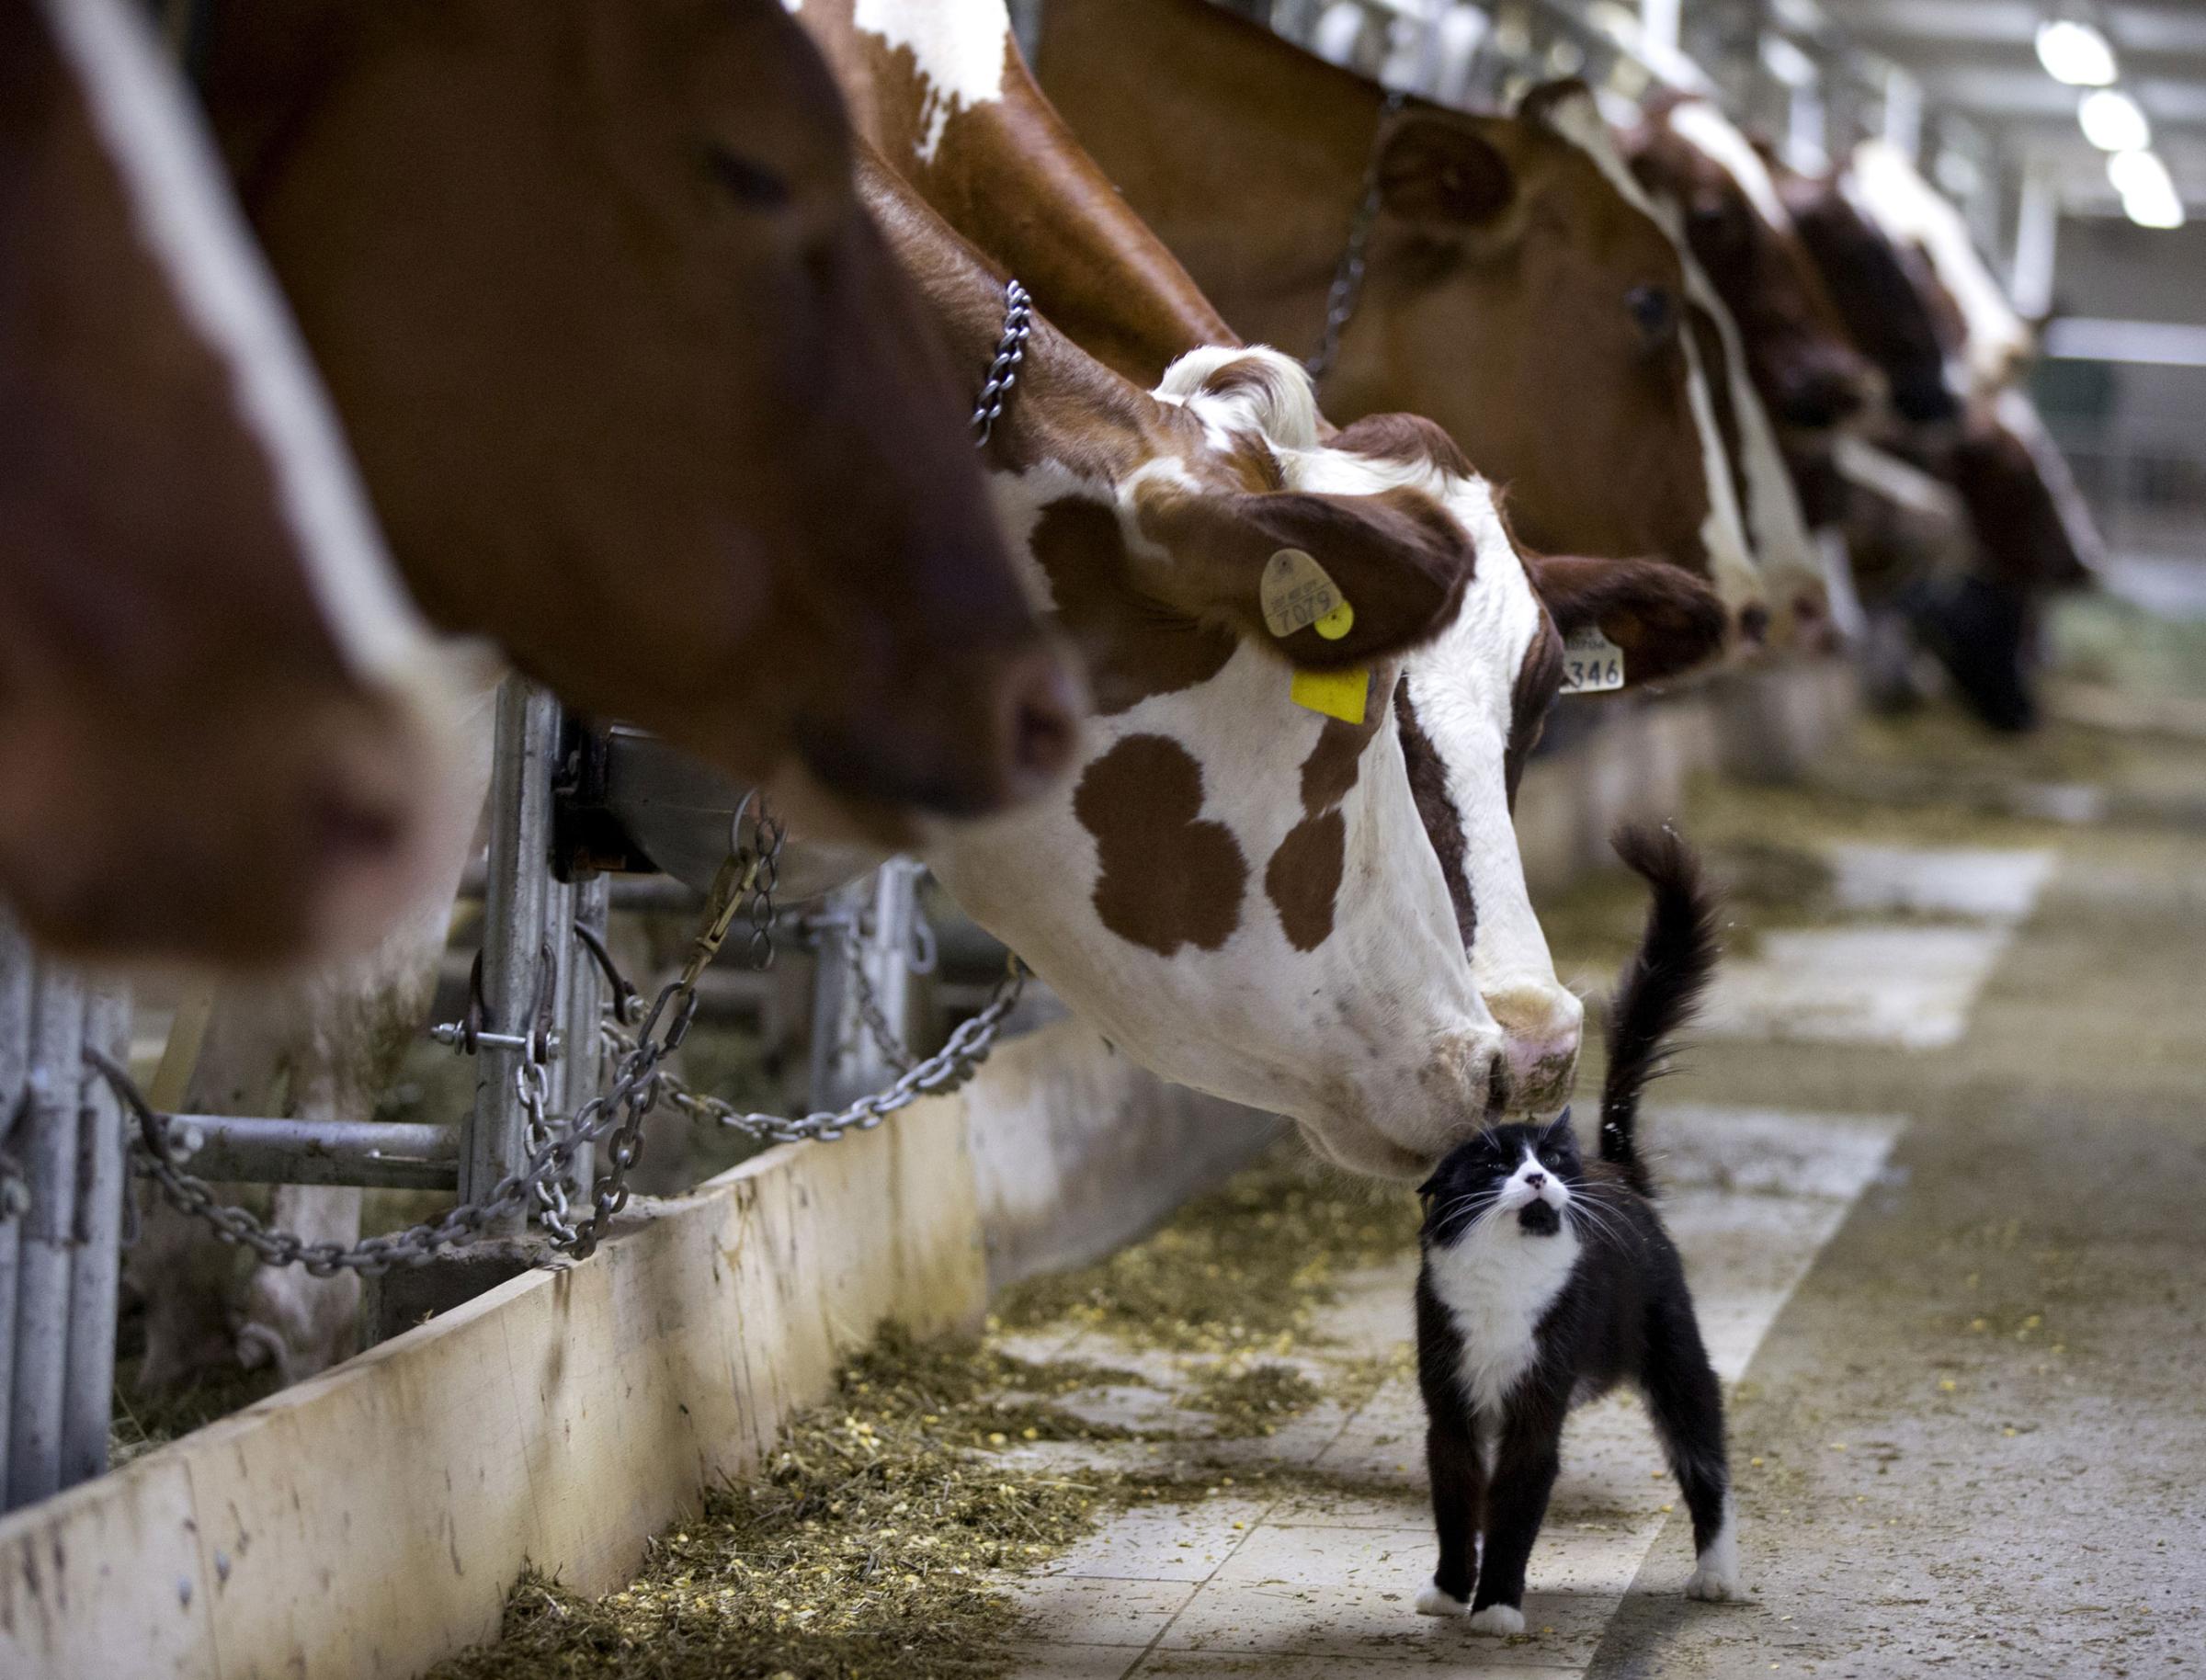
(1665, 618)
(1441, 173)
(1398, 559)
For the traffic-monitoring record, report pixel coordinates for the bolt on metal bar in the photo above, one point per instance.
(375, 1154)
(46, 1145)
(517, 895)
(95, 1257)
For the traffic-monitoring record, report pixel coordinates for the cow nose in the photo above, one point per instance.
(1753, 624)
(1040, 708)
(1541, 1022)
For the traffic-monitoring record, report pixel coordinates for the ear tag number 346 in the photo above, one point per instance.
(1591, 663)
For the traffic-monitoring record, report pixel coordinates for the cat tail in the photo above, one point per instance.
(1661, 986)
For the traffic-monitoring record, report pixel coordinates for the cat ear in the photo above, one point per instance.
(1559, 1129)
(1431, 1187)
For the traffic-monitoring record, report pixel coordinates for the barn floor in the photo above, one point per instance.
(1937, 1164)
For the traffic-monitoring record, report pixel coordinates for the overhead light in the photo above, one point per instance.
(2075, 52)
(2148, 192)
(2113, 121)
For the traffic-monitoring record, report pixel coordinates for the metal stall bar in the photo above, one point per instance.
(516, 981)
(96, 1259)
(863, 993)
(15, 965)
(46, 1138)
(579, 1072)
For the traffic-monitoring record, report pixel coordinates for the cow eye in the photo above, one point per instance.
(1655, 311)
(750, 182)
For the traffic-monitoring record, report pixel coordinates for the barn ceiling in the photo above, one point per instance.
(1979, 57)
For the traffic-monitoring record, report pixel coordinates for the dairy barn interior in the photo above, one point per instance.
(1331, 839)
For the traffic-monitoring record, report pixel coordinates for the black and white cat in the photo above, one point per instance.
(1548, 1279)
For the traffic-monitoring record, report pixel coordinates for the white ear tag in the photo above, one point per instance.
(1295, 593)
(1591, 663)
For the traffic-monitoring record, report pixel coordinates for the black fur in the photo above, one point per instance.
(1622, 1314)
(1660, 987)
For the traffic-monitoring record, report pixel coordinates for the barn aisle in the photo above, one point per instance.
(1934, 1159)
(1935, 1164)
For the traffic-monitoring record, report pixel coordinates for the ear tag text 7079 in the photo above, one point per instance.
(1297, 595)
(1591, 663)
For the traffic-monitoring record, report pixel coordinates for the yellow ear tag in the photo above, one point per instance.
(1335, 694)
(1336, 623)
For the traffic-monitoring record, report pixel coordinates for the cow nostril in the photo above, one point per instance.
(1753, 624)
(1043, 720)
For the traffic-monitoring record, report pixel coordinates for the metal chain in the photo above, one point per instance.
(945, 1071)
(1347, 277)
(873, 1017)
(617, 1112)
(1003, 373)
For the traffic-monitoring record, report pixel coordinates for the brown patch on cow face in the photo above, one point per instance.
(1442, 822)
(1302, 879)
(1168, 878)
(1134, 647)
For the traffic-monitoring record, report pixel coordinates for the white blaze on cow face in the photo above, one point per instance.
(956, 45)
(1375, 1037)
(1577, 118)
(168, 165)
(1713, 134)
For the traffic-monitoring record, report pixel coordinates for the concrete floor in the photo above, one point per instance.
(1938, 1170)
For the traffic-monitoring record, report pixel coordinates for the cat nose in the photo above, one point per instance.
(1533, 1181)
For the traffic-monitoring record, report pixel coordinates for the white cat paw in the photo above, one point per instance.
(1434, 1600)
(1714, 1585)
(1498, 1618)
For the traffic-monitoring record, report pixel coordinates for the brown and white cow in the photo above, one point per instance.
(223, 732)
(634, 386)
(1246, 896)
(1510, 291)
(996, 160)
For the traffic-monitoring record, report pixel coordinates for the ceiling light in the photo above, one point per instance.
(2075, 52)
(2148, 192)
(2113, 121)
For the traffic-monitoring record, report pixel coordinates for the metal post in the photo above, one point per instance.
(95, 1260)
(580, 1069)
(47, 1148)
(15, 965)
(869, 923)
(517, 894)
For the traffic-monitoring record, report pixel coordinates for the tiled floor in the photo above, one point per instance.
(1318, 1580)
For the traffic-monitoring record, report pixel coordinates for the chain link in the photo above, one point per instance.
(613, 1117)
(1003, 373)
(616, 1113)
(945, 1071)
(1347, 289)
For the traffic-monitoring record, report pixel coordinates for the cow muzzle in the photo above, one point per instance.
(1540, 1024)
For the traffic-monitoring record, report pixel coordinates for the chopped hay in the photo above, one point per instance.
(1243, 1267)
(865, 1546)
(1247, 1399)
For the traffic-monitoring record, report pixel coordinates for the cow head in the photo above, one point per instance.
(1505, 266)
(1884, 309)
(636, 387)
(222, 728)
(1805, 369)
(1242, 892)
